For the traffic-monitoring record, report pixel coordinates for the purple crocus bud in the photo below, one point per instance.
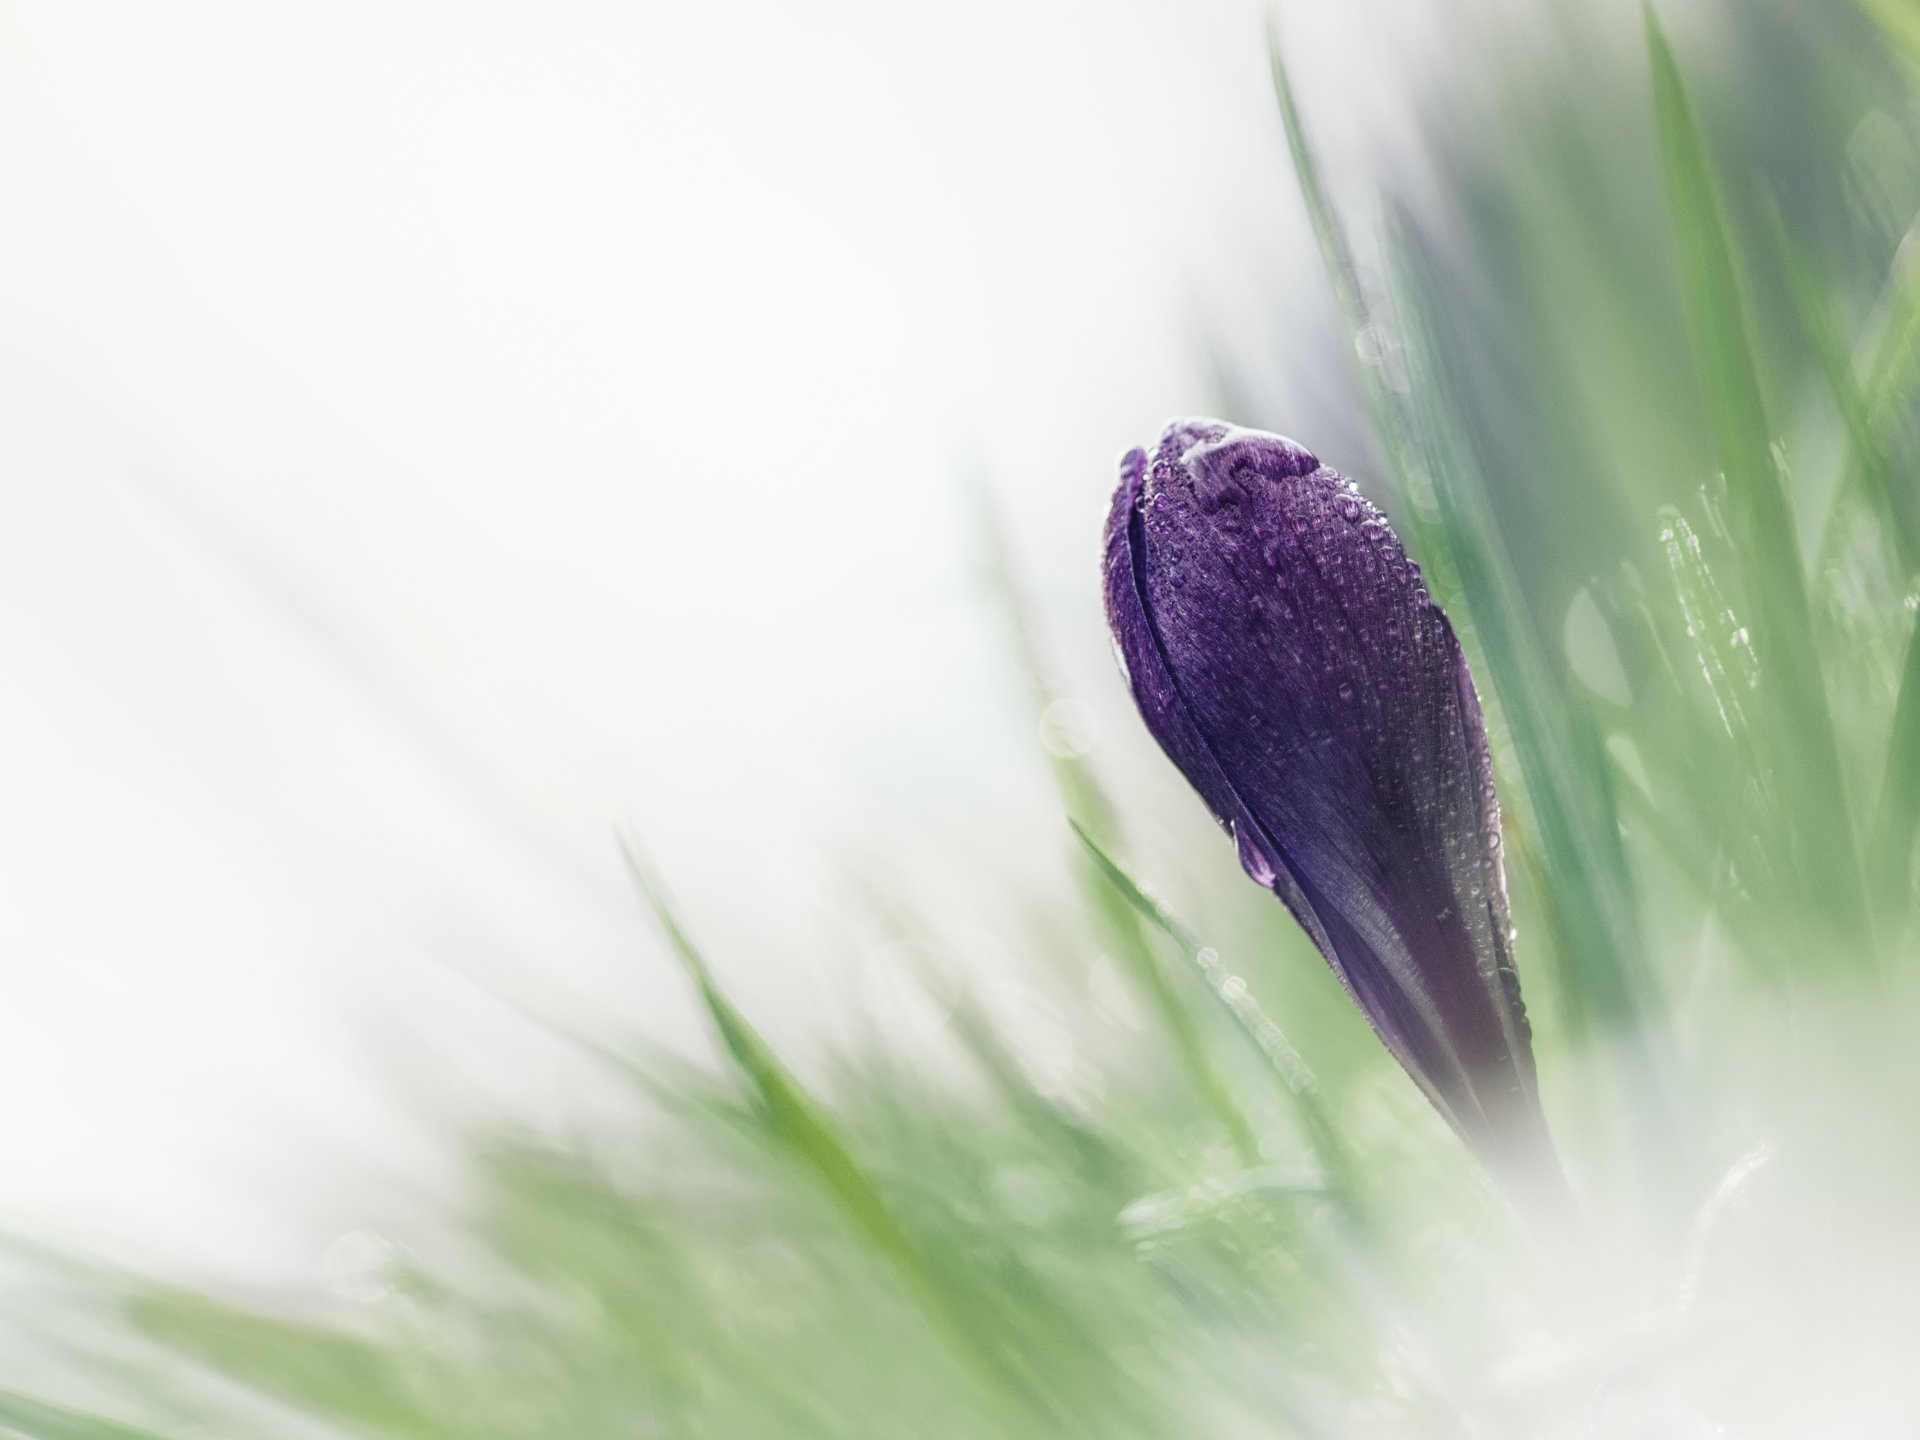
(1285, 654)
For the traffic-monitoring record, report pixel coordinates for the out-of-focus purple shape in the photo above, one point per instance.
(1285, 654)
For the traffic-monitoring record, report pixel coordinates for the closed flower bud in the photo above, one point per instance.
(1284, 652)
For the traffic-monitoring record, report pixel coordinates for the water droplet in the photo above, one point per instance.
(1349, 509)
(1253, 859)
(1346, 690)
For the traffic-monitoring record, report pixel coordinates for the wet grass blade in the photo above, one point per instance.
(1803, 754)
(1244, 1010)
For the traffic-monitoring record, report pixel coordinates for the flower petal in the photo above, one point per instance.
(1285, 654)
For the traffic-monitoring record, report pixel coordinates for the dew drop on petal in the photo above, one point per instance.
(1253, 859)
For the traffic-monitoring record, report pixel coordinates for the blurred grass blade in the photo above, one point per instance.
(1245, 1011)
(1890, 854)
(1867, 455)
(1343, 278)
(1805, 758)
(1899, 21)
(41, 1420)
(1336, 253)
(791, 1116)
(1079, 786)
(1898, 816)
(1267, 1036)
(1462, 557)
(796, 1123)
(1589, 890)
(347, 1380)
(1081, 791)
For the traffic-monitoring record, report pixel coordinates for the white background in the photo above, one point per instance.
(433, 434)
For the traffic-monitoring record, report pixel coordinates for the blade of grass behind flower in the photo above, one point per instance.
(1804, 755)
(1343, 278)
(1897, 814)
(1592, 898)
(1578, 864)
(1867, 457)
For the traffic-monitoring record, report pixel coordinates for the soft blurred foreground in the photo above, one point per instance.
(1630, 342)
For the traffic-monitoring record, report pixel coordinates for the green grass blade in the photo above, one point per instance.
(1461, 556)
(1867, 457)
(1898, 816)
(1805, 758)
(347, 1380)
(1267, 1037)
(42, 1420)
(1560, 755)
(1083, 794)
(1343, 278)
(791, 1115)
(800, 1126)
(1899, 21)
(1890, 852)
(1079, 785)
